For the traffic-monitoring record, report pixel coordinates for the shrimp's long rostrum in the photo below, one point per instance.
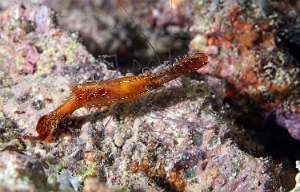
(107, 93)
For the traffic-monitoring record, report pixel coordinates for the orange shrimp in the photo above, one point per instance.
(108, 93)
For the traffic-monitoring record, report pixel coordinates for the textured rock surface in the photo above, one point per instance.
(176, 138)
(105, 28)
(246, 51)
(30, 43)
(20, 172)
(297, 186)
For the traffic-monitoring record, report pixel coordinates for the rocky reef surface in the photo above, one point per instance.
(188, 136)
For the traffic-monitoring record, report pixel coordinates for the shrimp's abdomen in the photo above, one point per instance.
(107, 93)
(94, 94)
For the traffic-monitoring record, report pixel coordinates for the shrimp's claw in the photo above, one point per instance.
(43, 129)
(46, 126)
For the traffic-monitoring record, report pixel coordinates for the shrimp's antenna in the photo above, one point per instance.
(137, 26)
(171, 29)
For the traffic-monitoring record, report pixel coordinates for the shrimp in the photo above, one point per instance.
(110, 92)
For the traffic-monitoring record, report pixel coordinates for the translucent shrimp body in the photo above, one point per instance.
(108, 93)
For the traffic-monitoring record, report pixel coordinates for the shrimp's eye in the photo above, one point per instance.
(149, 87)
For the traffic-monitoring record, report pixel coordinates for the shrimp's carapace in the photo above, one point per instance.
(108, 93)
